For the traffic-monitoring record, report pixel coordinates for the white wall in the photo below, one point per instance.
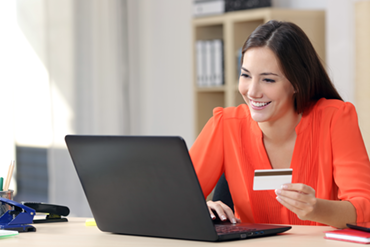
(8, 70)
(161, 65)
(340, 46)
(81, 87)
(25, 103)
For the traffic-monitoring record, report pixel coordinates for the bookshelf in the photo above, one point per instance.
(234, 28)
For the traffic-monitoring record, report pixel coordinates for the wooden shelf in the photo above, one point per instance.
(234, 28)
(210, 89)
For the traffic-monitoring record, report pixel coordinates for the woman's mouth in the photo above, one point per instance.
(258, 105)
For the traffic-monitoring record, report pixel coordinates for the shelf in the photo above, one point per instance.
(210, 89)
(206, 102)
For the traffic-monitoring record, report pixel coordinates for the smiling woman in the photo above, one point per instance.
(264, 87)
(297, 59)
(293, 118)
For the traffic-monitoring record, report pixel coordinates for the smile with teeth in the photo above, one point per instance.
(259, 104)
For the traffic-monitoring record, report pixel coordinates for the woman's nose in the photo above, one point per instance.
(254, 91)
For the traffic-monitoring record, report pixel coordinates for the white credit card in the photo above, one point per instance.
(271, 179)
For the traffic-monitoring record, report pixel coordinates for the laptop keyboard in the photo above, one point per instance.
(227, 229)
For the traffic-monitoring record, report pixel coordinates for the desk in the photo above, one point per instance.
(75, 233)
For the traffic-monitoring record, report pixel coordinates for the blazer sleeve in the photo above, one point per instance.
(207, 152)
(351, 166)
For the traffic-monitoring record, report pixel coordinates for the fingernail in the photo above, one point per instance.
(284, 186)
(277, 191)
(213, 217)
(278, 198)
(223, 217)
(233, 221)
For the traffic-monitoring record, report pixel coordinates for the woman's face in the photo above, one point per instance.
(265, 89)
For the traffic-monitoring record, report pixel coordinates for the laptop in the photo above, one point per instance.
(147, 186)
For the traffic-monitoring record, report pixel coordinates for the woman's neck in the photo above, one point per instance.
(281, 130)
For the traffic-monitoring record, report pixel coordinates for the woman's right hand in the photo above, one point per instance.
(223, 211)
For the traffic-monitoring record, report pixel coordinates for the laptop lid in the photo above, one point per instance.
(143, 185)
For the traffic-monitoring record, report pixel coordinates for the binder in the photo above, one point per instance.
(219, 62)
(200, 62)
(209, 63)
(209, 60)
(239, 62)
(235, 5)
(208, 7)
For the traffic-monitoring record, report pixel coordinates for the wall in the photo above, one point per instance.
(348, 51)
(340, 46)
(362, 64)
(83, 48)
(8, 71)
(160, 67)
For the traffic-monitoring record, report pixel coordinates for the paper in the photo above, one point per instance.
(90, 222)
(7, 233)
(271, 179)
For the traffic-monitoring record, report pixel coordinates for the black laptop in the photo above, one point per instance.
(147, 186)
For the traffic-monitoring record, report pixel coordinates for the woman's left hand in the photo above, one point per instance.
(298, 198)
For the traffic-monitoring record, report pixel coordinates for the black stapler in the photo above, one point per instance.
(54, 212)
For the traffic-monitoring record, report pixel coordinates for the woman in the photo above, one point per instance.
(293, 118)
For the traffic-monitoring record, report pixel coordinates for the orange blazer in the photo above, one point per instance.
(329, 155)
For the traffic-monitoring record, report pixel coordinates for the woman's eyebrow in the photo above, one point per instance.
(264, 73)
(245, 69)
(269, 73)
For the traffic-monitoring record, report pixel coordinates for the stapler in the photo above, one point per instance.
(54, 212)
(17, 219)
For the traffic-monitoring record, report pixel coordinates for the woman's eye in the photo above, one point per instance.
(244, 75)
(269, 80)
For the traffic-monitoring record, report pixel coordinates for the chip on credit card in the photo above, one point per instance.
(271, 179)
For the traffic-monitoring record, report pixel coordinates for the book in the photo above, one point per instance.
(209, 62)
(208, 7)
(200, 63)
(218, 62)
(209, 65)
(235, 5)
(349, 235)
(239, 62)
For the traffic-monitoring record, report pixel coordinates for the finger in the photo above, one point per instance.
(302, 188)
(213, 216)
(222, 210)
(295, 195)
(293, 203)
(218, 209)
(229, 213)
(287, 205)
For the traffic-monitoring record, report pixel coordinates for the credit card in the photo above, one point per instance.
(271, 179)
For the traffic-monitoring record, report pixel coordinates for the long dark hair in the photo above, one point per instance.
(298, 60)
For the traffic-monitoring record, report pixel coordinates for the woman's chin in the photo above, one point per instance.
(259, 118)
